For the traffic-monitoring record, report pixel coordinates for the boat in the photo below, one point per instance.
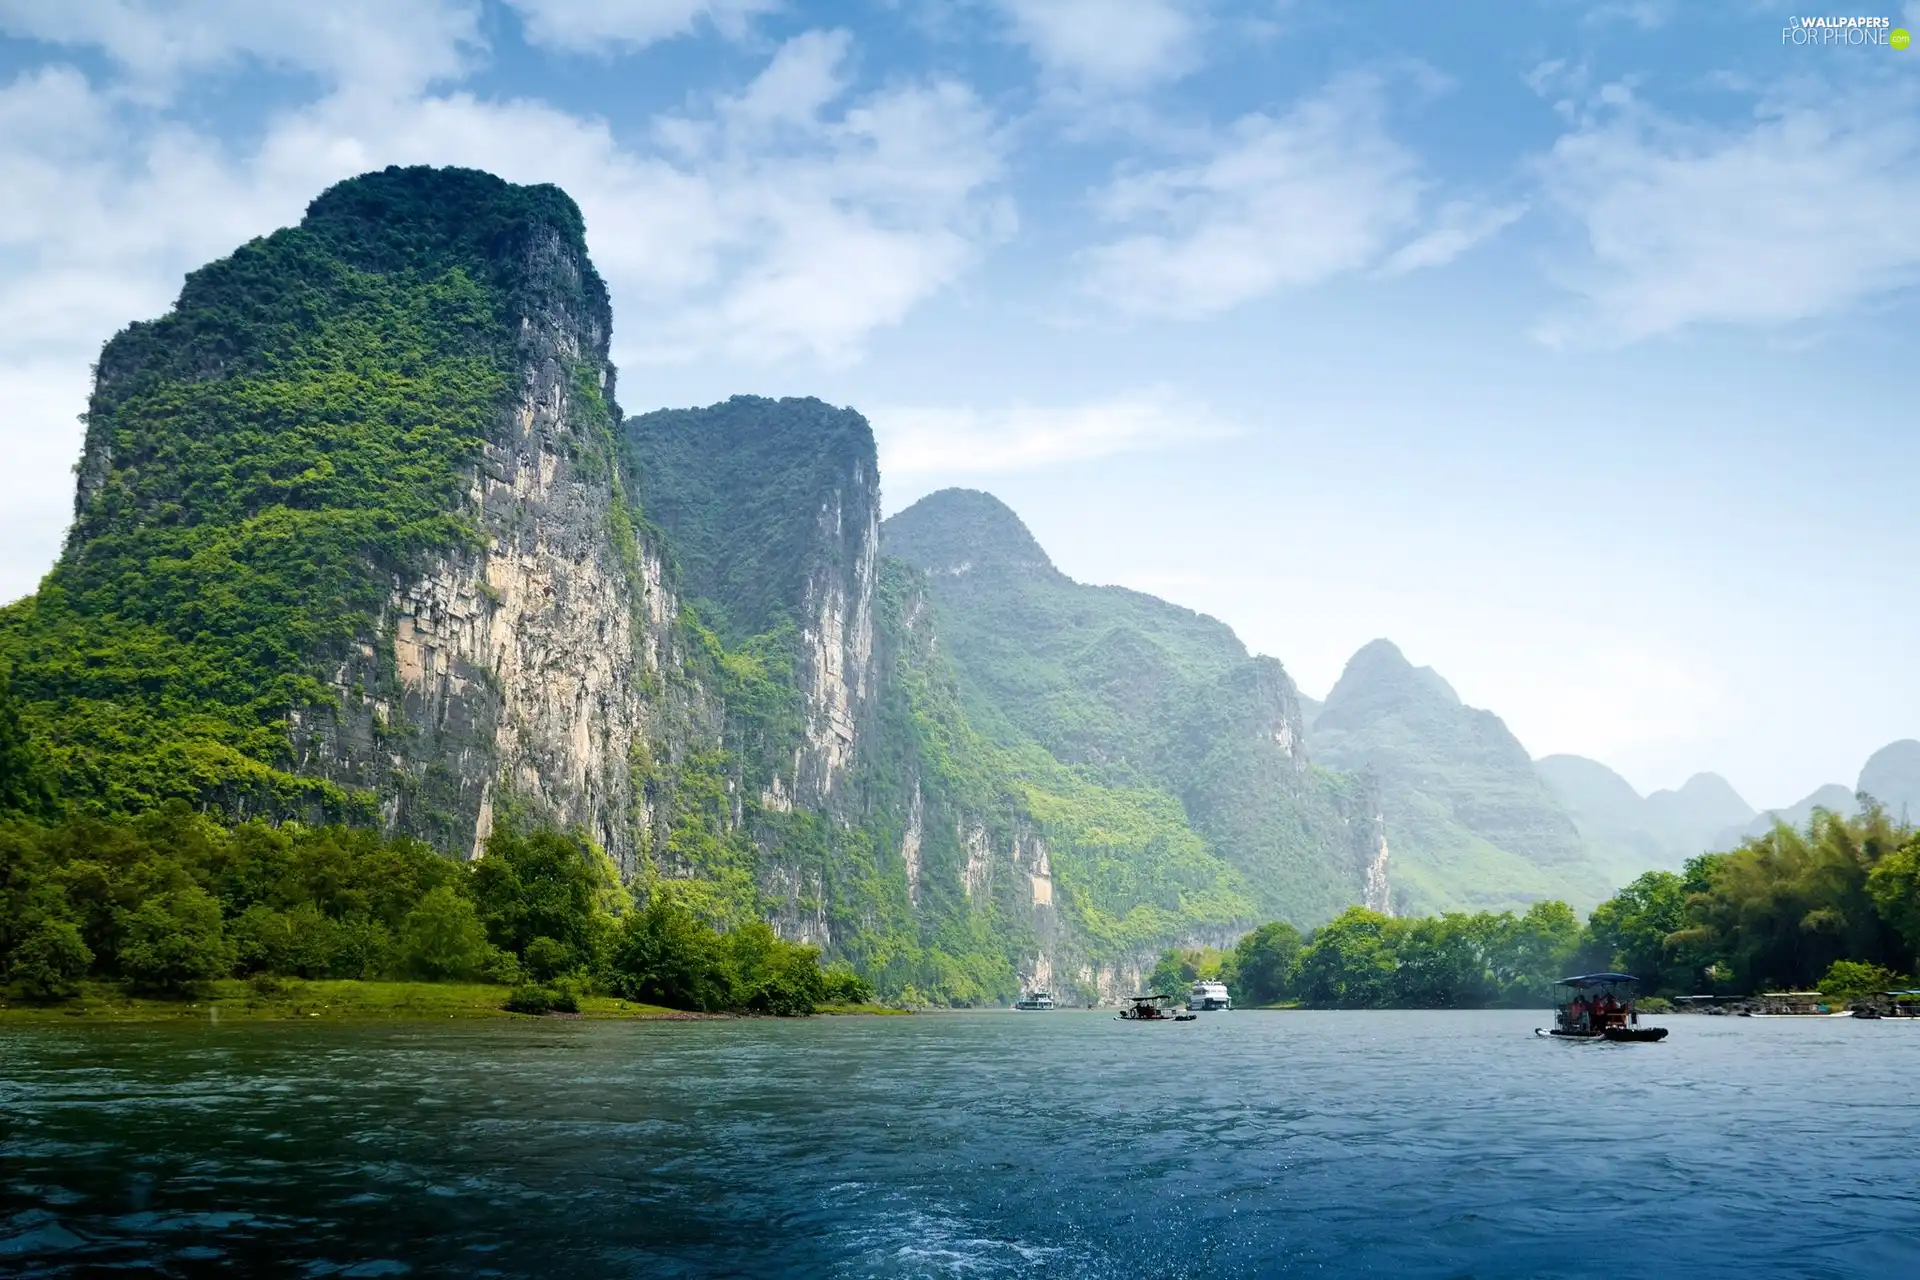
(1598, 1008)
(1035, 1002)
(1796, 1004)
(1890, 1006)
(1153, 1008)
(1206, 997)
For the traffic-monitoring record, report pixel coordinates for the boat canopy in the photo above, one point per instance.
(1596, 979)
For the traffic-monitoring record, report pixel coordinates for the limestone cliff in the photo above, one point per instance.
(507, 673)
(772, 509)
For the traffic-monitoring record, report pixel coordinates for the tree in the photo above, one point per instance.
(1629, 931)
(24, 787)
(1441, 964)
(1181, 967)
(666, 955)
(1262, 964)
(546, 885)
(1894, 885)
(442, 938)
(1850, 980)
(50, 959)
(175, 940)
(1351, 962)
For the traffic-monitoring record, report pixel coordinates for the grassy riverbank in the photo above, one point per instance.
(340, 1001)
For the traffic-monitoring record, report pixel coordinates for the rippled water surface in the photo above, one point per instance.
(1063, 1144)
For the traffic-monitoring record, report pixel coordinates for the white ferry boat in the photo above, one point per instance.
(1206, 997)
(1035, 1002)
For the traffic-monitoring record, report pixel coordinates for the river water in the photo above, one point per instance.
(989, 1144)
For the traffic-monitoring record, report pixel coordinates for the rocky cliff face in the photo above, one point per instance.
(772, 511)
(507, 674)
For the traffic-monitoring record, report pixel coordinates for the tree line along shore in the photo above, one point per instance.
(1833, 907)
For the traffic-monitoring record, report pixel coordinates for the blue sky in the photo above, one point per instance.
(1567, 345)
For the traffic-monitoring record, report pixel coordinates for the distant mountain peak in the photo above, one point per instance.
(1379, 665)
(959, 531)
(1892, 777)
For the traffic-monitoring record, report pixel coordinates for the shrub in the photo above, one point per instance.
(50, 959)
(174, 940)
(1850, 980)
(536, 999)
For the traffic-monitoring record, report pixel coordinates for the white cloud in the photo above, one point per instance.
(368, 43)
(1805, 210)
(1458, 226)
(1020, 437)
(42, 436)
(1281, 202)
(594, 26)
(1108, 44)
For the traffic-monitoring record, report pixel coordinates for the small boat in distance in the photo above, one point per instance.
(1797, 1004)
(1034, 1002)
(1599, 1007)
(1153, 1008)
(1209, 996)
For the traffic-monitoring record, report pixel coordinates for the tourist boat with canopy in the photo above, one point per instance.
(1035, 1002)
(1599, 1007)
(1153, 1008)
(1797, 1004)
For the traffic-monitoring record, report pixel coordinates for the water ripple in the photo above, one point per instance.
(1064, 1145)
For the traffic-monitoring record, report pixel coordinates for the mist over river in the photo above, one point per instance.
(984, 1144)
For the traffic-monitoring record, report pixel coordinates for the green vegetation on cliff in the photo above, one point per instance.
(259, 462)
(1472, 824)
(754, 494)
(1131, 693)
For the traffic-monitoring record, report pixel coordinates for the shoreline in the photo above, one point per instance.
(348, 1000)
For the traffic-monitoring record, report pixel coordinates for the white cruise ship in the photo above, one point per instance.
(1206, 997)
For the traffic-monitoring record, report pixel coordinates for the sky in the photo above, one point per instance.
(1567, 345)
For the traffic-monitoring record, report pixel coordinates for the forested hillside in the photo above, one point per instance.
(1131, 691)
(1472, 825)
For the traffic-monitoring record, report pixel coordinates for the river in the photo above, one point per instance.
(968, 1144)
